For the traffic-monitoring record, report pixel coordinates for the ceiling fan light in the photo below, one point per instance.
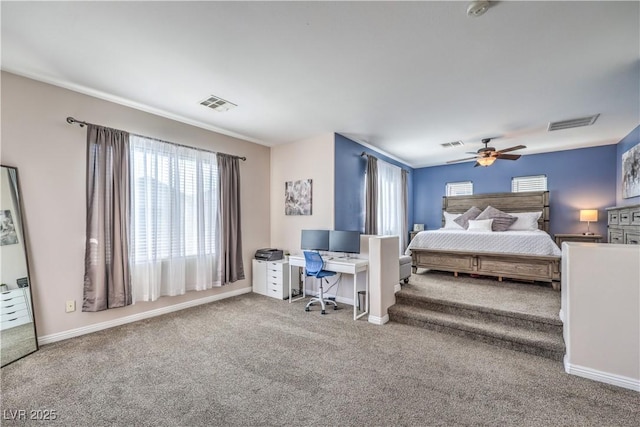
(486, 161)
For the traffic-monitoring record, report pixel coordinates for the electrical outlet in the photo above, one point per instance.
(71, 306)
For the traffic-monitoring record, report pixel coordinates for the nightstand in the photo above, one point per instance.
(412, 234)
(588, 238)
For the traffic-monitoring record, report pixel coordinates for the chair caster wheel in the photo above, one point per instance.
(324, 312)
(335, 307)
(306, 309)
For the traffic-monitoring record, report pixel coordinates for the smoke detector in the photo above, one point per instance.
(477, 8)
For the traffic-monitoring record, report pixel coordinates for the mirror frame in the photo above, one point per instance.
(20, 217)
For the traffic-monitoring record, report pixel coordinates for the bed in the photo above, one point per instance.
(500, 254)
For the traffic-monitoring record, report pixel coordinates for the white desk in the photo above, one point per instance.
(351, 266)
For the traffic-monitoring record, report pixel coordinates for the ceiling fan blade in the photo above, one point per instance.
(517, 147)
(476, 165)
(462, 160)
(508, 156)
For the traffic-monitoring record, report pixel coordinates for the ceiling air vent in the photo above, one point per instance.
(573, 123)
(218, 104)
(452, 144)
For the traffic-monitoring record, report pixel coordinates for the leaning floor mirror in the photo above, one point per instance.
(18, 329)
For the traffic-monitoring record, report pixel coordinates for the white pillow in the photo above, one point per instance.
(449, 221)
(525, 220)
(480, 224)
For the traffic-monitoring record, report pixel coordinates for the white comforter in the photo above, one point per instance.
(536, 242)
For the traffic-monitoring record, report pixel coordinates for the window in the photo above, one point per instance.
(389, 199)
(174, 219)
(174, 199)
(389, 188)
(463, 188)
(528, 183)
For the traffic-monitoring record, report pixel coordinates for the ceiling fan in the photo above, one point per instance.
(487, 155)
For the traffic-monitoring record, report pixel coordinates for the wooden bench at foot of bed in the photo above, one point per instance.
(540, 268)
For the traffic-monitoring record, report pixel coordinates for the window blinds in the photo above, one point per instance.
(528, 183)
(463, 188)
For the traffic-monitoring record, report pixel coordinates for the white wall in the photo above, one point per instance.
(601, 312)
(312, 158)
(51, 159)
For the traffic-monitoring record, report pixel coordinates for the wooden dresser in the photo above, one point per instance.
(623, 224)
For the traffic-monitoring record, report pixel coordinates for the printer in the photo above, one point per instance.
(268, 254)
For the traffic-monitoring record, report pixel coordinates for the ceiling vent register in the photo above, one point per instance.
(218, 104)
(452, 144)
(573, 123)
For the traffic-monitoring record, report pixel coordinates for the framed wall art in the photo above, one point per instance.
(298, 197)
(631, 172)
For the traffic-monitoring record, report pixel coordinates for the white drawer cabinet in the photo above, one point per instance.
(14, 308)
(271, 278)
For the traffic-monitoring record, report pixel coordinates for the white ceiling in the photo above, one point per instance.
(404, 77)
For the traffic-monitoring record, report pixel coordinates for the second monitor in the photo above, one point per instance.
(344, 241)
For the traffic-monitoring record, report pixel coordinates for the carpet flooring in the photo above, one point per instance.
(529, 299)
(253, 360)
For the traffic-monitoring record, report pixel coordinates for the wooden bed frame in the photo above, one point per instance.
(515, 266)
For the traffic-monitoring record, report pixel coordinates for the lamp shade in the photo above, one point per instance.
(590, 215)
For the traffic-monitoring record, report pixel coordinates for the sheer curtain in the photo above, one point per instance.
(390, 211)
(175, 222)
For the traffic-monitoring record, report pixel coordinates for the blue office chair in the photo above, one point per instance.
(313, 267)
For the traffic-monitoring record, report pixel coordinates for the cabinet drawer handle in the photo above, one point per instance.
(11, 320)
(10, 312)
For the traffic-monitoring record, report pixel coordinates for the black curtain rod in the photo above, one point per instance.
(82, 124)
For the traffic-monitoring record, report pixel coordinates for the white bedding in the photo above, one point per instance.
(535, 242)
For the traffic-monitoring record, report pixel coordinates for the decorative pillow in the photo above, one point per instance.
(501, 220)
(449, 222)
(480, 225)
(463, 220)
(526, 221)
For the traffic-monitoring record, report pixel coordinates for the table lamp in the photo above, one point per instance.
(588, 215)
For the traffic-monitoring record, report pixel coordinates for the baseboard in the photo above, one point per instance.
(603, 377)
(376, 320)
(397, 288)
(71, 333)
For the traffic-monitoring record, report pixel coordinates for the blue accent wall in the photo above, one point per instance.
(625, 144)
(350, 169)
(576, 179)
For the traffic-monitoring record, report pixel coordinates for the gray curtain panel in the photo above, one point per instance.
(371, 197)
(107, 277)
(404, 237)
(230, 230)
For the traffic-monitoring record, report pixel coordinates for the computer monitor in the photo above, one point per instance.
(344, 241)
(315, 240)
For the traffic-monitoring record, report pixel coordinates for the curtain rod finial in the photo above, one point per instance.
(71, 121)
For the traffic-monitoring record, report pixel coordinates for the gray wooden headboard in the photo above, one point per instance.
(530, 201)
